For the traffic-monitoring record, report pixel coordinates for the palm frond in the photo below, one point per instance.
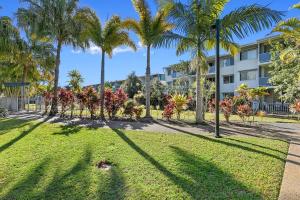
(249, 19)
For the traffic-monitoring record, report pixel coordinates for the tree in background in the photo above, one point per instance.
(193, 22)
(57, 21)
(75, 85)
(132, 85)
(157, 93)
(107, 37)
(285, 67)
(151, 31)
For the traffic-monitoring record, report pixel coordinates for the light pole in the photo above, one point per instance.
(217, 117)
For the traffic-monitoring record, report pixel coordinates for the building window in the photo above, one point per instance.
(228, 62)
(248, 54)
(228, 79)
(169, 72)
(248, 75)
(174, 74)
(228, 95)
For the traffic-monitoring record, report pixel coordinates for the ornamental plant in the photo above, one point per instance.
(129, 108)
(81, 99)
(65, 98)
(114, 101)
(169, 110)
(180, 102)
(226, 107)
(244, 111)
(138, 111)
(212, 105)
(92, 101)
(47, 96)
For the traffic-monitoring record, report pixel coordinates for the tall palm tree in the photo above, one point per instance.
(151, 30)
(193, 33)
(290, 29)
(55, 20)
(107, 37)
(75, 81)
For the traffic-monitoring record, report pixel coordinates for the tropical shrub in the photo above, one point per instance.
(212, 105)
(139, 98)
(244, 111)
(138, 111)
(129, 108)
(92, 100)
(180, 103)
(114, 101)
(3, 112)
(169, 110)
(261, 114)
(47, 96)
(226, 107)
(132, 85)
(81, 99)
(65, 98)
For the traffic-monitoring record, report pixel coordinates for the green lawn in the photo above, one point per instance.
(47, 161)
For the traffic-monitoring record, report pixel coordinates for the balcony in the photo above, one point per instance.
(264, 81)
(212, 70)
(264, 57)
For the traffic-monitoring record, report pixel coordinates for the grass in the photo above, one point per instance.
(190, 116)
(48, 161)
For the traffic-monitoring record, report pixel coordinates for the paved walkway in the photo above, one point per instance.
(290, 188)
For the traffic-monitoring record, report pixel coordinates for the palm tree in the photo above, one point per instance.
(193, 33)
(107, 37)
(75, 80)
(290, 29)
(57, 21)
(151, 30)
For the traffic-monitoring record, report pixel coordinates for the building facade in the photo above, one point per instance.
(249, 66)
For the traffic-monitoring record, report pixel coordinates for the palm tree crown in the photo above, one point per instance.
(107, 37)
(193, 22)
(151, 30)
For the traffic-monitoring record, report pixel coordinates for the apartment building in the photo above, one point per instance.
(249, 66)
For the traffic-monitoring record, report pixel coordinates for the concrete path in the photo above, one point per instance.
(290, 188)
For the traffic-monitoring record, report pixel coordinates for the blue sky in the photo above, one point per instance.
(124, 60)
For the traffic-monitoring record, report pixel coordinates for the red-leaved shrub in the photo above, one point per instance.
(47, 100)
(92, 100)
(169, 109)
(244, 111)
(113, 101)
(65, 98)
(82, 101)
(226, 107)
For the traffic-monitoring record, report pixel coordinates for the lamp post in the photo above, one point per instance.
(217, 117)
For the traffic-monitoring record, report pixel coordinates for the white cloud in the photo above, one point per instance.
(76, 51)
(122, 50)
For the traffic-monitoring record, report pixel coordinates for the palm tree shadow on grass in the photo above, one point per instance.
(8, 124)
(22, 135)
(197, 180)
(68, 130)
(73, 183)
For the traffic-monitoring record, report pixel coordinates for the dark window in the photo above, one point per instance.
(248, 75)
(169, 72)
(229, 61)
(228, 79)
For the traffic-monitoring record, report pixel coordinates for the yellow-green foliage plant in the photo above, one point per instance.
(180, 102)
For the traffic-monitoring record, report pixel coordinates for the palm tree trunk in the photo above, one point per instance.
(102, 86)
(199, 96)
(24, 77)
(54, 108)
(147, 84)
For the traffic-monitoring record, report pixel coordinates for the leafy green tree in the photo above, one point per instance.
(285, 75)
(132, 85)
(107, 37)
(193, 33)
(57, 21)
(157, 93)
(76, 80)
(151, 30)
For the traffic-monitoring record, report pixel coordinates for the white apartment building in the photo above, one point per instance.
(249, 66)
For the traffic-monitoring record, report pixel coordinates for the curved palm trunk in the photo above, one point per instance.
(102, 86)
(54, 108)
(147, 84)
